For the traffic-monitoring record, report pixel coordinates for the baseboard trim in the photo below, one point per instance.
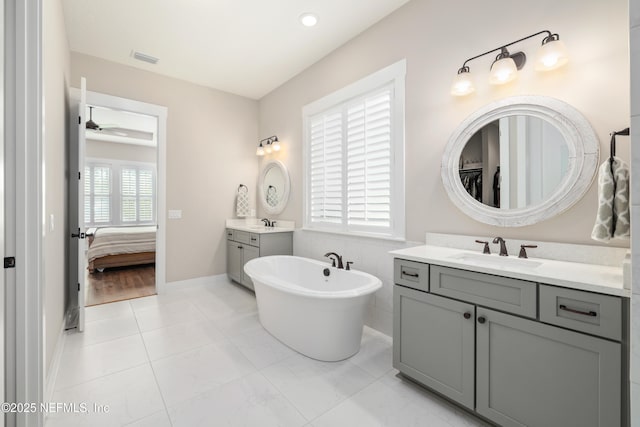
(198, 281)
(54, 366)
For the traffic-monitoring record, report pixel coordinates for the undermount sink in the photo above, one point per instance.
(495, 260)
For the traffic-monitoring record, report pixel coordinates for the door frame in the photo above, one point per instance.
(160, 112)
(24, 215)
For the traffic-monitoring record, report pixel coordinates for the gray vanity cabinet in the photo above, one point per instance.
(442, 328)
(488, 343)
(532, 374)
(243, 246)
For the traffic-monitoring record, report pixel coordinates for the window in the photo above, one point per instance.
(97, 194)
(118, 193)
(136, 194)
(354, 157)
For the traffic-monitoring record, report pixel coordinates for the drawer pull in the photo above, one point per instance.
(404, 273)
(239, 247)
(253, 239)
(571, 310)
(482, 319)
(467, 315)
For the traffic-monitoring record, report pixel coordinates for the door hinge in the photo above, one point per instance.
(78, 287)
(79, 120)
(79, 175)
(10, 262)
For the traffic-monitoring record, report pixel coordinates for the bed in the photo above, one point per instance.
(121, 246)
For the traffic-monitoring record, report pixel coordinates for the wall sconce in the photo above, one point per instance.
(270, 145)
(551, 55)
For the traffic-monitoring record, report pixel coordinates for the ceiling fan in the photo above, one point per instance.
(91, 125)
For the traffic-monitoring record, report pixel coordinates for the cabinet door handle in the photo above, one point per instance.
(467, 315)
(571, 310)
(482, 319)
(253, 239)
(404, 273)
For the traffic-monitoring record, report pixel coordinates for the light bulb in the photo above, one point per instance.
(276, 145)
(268, 149)
(308, 19)
(462, 84)
(551, 55)
(260, 151)
(503, 71)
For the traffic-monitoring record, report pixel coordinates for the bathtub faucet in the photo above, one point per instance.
(337, 257)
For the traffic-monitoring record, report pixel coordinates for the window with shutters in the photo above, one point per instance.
(354, 157)
(119, 193)
(97, 194)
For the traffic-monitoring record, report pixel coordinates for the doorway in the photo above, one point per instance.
(120, 209)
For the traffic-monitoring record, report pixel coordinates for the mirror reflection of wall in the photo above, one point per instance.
(514, 162)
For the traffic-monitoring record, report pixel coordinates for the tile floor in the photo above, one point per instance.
(198, 356)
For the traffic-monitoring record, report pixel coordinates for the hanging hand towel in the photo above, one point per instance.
(242, 201)
(272, 196)
(612, 220)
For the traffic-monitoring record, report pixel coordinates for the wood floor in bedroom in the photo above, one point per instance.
(121, 283)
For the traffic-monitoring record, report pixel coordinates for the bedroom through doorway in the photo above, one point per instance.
(120, 204)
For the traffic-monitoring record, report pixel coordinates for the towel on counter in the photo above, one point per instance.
(613, 219)
(272, 196)
(242, 202)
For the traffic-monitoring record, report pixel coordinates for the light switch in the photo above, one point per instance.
(175, 213)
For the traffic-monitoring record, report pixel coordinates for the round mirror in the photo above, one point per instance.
(274, 187)
(520, 160)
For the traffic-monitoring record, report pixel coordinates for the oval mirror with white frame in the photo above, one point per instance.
(274, 187)
(520, 160)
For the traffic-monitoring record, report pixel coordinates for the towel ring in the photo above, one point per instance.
(241, 186)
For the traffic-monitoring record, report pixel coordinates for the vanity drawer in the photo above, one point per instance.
(583, 311)
(229, 234)
(502, 293)
(411, 274)
(247, 238)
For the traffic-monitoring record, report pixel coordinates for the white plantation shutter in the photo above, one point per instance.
(145, 198)
(326, 169)
(97, 194)
(128, 194)
(369, 161)
(354, 157)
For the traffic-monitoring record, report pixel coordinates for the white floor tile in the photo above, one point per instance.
(238, 323)
(86, 363)
(164, 315)
(159, 419)
(189, 374)
(180, 338)
(314, 387)
(376, 353)
(249, 401)
(171, 297)
(382, 405)
(104, 330)
(261, 348)
(129, 396)
(107, 311)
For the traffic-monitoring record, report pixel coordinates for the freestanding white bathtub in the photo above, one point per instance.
(319, 316)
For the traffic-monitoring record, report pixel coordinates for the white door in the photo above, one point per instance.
(78, 263)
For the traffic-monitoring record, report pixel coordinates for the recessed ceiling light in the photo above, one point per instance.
(309, 19)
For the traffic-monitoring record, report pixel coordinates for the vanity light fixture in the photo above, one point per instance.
(551, 55)
(270, 145)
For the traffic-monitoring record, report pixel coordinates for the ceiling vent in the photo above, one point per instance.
(144, 57)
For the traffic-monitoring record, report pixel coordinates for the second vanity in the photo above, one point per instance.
(520, 342)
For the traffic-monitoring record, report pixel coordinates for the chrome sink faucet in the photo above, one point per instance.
(503, 246)
(337, 258)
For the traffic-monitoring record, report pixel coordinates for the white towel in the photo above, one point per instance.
(272, 196)
(242, 202)
(613, 219)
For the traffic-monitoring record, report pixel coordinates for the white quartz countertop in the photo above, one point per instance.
(253, 225)
(587, 277)
(260, 229)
